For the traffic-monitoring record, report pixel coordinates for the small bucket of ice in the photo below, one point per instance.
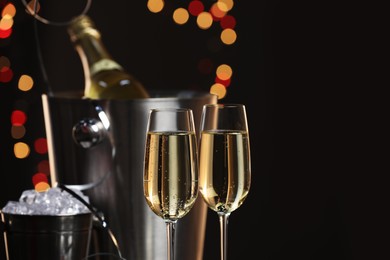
(46, 225)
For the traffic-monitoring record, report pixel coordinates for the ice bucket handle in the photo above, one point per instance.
(89, 132)
(96, 214)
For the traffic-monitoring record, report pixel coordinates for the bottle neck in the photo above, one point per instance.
(94, 56)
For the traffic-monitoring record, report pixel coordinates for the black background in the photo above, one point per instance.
(313, 195)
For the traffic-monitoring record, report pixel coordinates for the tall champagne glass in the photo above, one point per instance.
(171, 167)
(225, 163)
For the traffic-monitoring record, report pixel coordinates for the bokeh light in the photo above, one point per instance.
(224, 72)
(204, 20)
(5, 33)
(180, 16)
(42, 186)
(6, 22)
(228, 4)
(228, 21)
(195, 7)
(219, 90)
(18, 117)
(18, 131)
(21, 150)
(40, 145)
(218, 10)
(155, 6)
(44, 166)
(9, 9)
(25, 83)
(6, 73)
(228, 36)
(4, 63)
(39, 177)
(226, 82)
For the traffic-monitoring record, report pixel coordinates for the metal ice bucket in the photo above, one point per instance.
(104, 158)
(32, 237)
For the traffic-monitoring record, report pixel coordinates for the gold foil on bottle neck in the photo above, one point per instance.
(80, 26)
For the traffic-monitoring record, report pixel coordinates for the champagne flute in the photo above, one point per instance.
(225, 163)
(171, 167)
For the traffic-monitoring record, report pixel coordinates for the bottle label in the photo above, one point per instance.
(105, 64)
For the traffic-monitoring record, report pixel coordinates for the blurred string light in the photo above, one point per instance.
(7, 19)
(205, 17)
(155, 6)
(41, 179)
(181, 15)
(25, 83)
(204, 20)
(6, 72)
(40, 182)
(18, 117)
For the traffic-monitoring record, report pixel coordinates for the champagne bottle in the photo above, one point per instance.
(104, 77)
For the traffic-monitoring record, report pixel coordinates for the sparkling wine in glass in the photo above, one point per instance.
(225, 162)
(171, 167)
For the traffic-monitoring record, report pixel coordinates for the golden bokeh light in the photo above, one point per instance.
(9, 9)
(180, 16)
(227, 5)
(219, 90)
(224, 72)
(219, 13)
(25, 83)
(21, 150)
(222, 6)
(42, 186)
(6, 22)
(228, 36)
(204, 20)
(18, 131)
(155, 6)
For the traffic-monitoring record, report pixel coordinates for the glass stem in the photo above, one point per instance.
(171, 239)
(223, 223)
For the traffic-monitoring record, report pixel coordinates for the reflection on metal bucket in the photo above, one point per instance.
(98, 147)
(31, 237)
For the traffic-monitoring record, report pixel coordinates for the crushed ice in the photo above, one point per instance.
(54, 201)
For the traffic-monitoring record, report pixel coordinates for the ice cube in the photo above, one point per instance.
(54, 201)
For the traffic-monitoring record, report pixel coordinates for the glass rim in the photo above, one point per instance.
(170, 109)
(227, 105)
